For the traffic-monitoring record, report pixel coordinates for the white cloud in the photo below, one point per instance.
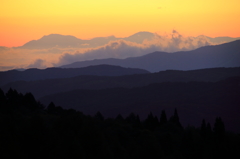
(39, 63)
(41, 58)
(123, 49)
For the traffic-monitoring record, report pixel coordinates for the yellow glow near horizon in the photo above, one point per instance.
(22, 21)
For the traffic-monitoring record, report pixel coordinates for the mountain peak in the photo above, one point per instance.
(57, 36)
(53, 40)
(140, 37)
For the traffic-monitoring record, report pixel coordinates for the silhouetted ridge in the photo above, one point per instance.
(224, 55)
(68, 41)
(42, 87)
(63, 41)
(50, 73)
(53, 40)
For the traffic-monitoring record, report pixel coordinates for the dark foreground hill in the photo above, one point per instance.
(28, 129)
(41, 88)
(194, 101)
(50, 73)
(224, 55)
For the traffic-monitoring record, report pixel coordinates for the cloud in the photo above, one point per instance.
(2, 48)
(5, 68)
(23, 58)
(41, 58)
(123, 49)
(39, 63)
(176, 42)
(114, 49)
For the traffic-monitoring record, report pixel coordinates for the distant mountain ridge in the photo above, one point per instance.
(51, 73)
(197, 94)
(224, 55)
(65, 41)
(40, 88)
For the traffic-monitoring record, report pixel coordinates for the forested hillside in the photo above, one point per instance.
(31, 130)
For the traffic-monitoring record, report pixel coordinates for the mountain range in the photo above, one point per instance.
(224, 55)
(41, 88)
(197, 94)
(54, 73)
(202, 83)
(65, 41)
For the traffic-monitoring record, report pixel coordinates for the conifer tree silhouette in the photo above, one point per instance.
(219, 128)
(51, 108)
(163, 118)
(30, 102)
(119, 118)
(3, 101)
(203, 128)
(175, 118)
(209, 129)
(99, 116)
(151, 122)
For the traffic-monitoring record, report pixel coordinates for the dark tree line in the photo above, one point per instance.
(30, 130)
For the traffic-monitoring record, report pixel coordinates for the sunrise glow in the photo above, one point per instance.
(22, 21)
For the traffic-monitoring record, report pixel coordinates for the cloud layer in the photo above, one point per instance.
(42, 58)
(123, 49)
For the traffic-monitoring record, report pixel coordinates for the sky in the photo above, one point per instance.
(22, 21)
(176, 24)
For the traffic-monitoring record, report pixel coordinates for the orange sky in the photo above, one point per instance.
(22, 21)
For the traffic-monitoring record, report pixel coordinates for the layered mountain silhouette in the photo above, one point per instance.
(96, 85)
(197, 94)
(42, 88)
(50, 73)
(224, 55)
(65, 41)
(194, 101)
